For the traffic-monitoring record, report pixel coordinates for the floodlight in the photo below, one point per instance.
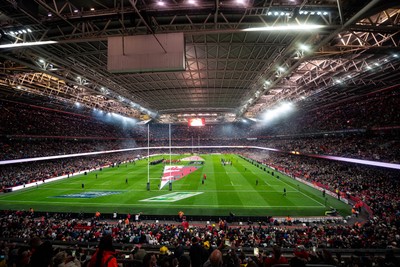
(27, 44)
(281, 69)
(271, 114)
(304, 47)
(285, 106)
(338, 81)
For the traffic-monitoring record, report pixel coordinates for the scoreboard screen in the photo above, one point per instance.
(197, 122)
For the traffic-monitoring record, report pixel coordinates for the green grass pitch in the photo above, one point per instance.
(226, 189)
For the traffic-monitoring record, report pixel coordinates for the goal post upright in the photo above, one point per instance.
(170, 159)
(148, 157)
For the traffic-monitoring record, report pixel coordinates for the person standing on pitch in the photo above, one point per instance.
(284, 191)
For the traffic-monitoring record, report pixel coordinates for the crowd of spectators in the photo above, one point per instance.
(18, 149)
(308, 243)
(376, 148)
(377, 187)
(57, 227)
(31, 131)
(381, 110)
(373, 112)
(361, 147)
(26, 120)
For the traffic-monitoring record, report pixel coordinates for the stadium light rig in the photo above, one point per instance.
(294, 27)
(20, 31)
(27, 44)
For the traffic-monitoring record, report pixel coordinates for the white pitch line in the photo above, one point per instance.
(267, 183)
(303, 193)
(158, 203)
(144, 190)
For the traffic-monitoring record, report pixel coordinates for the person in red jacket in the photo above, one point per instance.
(276, 258)
(105, 254)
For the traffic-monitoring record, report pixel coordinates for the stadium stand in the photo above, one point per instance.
(45, 132)
(59, 97)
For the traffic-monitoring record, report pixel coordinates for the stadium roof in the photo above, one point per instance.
(233, 67)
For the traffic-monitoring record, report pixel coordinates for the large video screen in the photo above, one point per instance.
(197, 122)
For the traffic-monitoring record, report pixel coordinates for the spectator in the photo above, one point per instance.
(196, 253)
(42, 252)
(276, 258)
(150, 260)
(215, 259)
(105, 254)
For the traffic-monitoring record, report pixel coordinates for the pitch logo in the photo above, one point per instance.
(172, 197)
(90, 194)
